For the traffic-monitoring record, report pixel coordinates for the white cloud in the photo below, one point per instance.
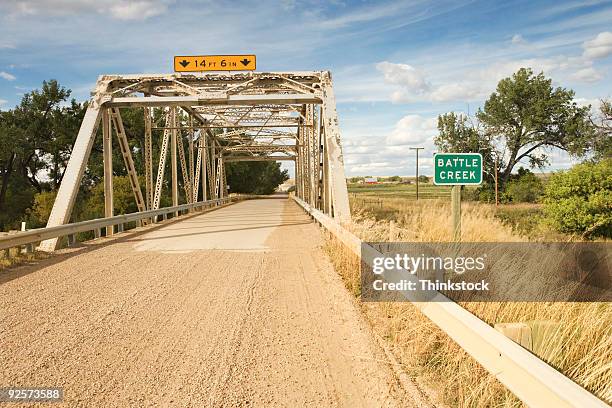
(7, 76)
(387, 152)
(363, 15)
(593, 102)
(119, 9)
(518, 39)
(137, 10)
(404, 75)
(396, 13)
(415, 86)
(503, 69)
(413, 130)
(470, 83)
(598, 47)
(3, 101)
(587, 75)
(456, 92)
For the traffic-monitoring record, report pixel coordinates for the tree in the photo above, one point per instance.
(524, 187)
(36, 137)
(526, 115)
(47, 131)
(8, 153)
(423, 179)
(579, 200)
(458, 134)
(255, 177)
(123, 199)
(601, 144)
(38, 214)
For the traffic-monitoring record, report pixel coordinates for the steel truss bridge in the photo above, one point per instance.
(221, 118)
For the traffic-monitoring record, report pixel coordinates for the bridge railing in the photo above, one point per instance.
(34, 236)
(529, 378)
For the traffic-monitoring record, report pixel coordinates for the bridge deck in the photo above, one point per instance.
(232, 308)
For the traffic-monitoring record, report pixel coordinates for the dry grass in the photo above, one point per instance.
(430, 221)
(18, 257)
(579, 345)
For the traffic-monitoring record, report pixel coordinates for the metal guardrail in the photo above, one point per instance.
(529, 378)
(41, 234)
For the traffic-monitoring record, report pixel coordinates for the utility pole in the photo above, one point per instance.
(417, 169)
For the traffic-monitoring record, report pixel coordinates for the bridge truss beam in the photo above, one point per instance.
(287, 116)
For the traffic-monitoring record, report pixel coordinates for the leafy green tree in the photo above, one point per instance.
(423, 179)
(524, 187)
(526, 115)
(123, 199)
(133, 123)
(36, 138)
(394, 179)
(458, 134)
(8, 154)
(46, 131)
(601, 144)
(255, 177)
(41, 209)
(580, 200)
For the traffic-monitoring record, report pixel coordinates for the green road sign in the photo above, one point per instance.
(457, 169)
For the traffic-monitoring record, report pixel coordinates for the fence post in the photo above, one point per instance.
(25, 247)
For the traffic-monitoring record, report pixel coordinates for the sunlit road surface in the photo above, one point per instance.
(236, 307)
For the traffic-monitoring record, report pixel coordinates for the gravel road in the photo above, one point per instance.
(233, 308)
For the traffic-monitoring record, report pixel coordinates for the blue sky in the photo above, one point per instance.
(396, 65)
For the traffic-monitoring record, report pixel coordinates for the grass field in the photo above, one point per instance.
(399, 190)
(580, 347)
(391, 201)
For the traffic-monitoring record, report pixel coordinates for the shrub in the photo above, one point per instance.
(524, 188)
(41, 209)
(484, 193)
(580, 200)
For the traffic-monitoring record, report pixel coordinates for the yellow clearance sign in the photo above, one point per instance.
(198, 63)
